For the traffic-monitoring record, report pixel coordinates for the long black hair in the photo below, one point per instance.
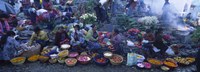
(5, 37)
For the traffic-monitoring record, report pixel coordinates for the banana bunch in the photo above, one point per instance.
(45, 51)
(185, 61)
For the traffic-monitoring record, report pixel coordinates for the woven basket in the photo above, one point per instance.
(43, 58)
(36, 56)
(71, 64)
(114, 63)
(18, 63)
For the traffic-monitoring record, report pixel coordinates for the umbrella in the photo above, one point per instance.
(7, 7)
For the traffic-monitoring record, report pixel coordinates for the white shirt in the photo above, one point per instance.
(40, 11)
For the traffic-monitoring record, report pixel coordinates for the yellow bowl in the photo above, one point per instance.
(18, 60)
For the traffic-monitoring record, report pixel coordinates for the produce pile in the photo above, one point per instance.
(53, 54)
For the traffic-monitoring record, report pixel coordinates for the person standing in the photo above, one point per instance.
(130, 7)
(4, 26)
(98, 12)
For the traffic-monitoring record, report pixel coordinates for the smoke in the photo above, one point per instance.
(178, 5)
(103, 1)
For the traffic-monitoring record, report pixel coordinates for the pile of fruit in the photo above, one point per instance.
(101, 60)
(155, 61)
(63, 53)
(116, 59)
(33, 58)
(43, 58)
(170, 63)
(185, 61)
(84, 58)
(18, 60)
(71, 61)
(73, 54)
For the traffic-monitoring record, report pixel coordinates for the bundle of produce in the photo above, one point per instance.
(185, 61)
(88, 18)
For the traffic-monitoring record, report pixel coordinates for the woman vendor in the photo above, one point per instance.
(116, 40)
(148, 45)
(92, 39)
(39, 36)
(61, 37)
(159, 42)
(77, 39)
(9, 47)
(68, 11)
(4, 26)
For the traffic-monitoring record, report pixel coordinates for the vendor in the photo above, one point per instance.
(98, 12)
(159, 42)
(77, 39)
(9, 47)
(40, 37)
(148, 46)
(4, 26)
(61, 37)
(116, 40)
(92, 39)
(68, 11)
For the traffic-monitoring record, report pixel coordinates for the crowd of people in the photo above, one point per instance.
(81, 38)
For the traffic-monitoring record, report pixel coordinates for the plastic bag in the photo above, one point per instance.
(169, 51)
(130, 43)
(156, 49)
(131, 59)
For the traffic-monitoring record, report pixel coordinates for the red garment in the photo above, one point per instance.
(59, 39)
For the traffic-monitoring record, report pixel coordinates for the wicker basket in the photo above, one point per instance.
(61, 60)
(71, 59)
(116, 63)
(36, 57)
(84, 62)
(18, 63)
(43, 58)
(63, 53)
